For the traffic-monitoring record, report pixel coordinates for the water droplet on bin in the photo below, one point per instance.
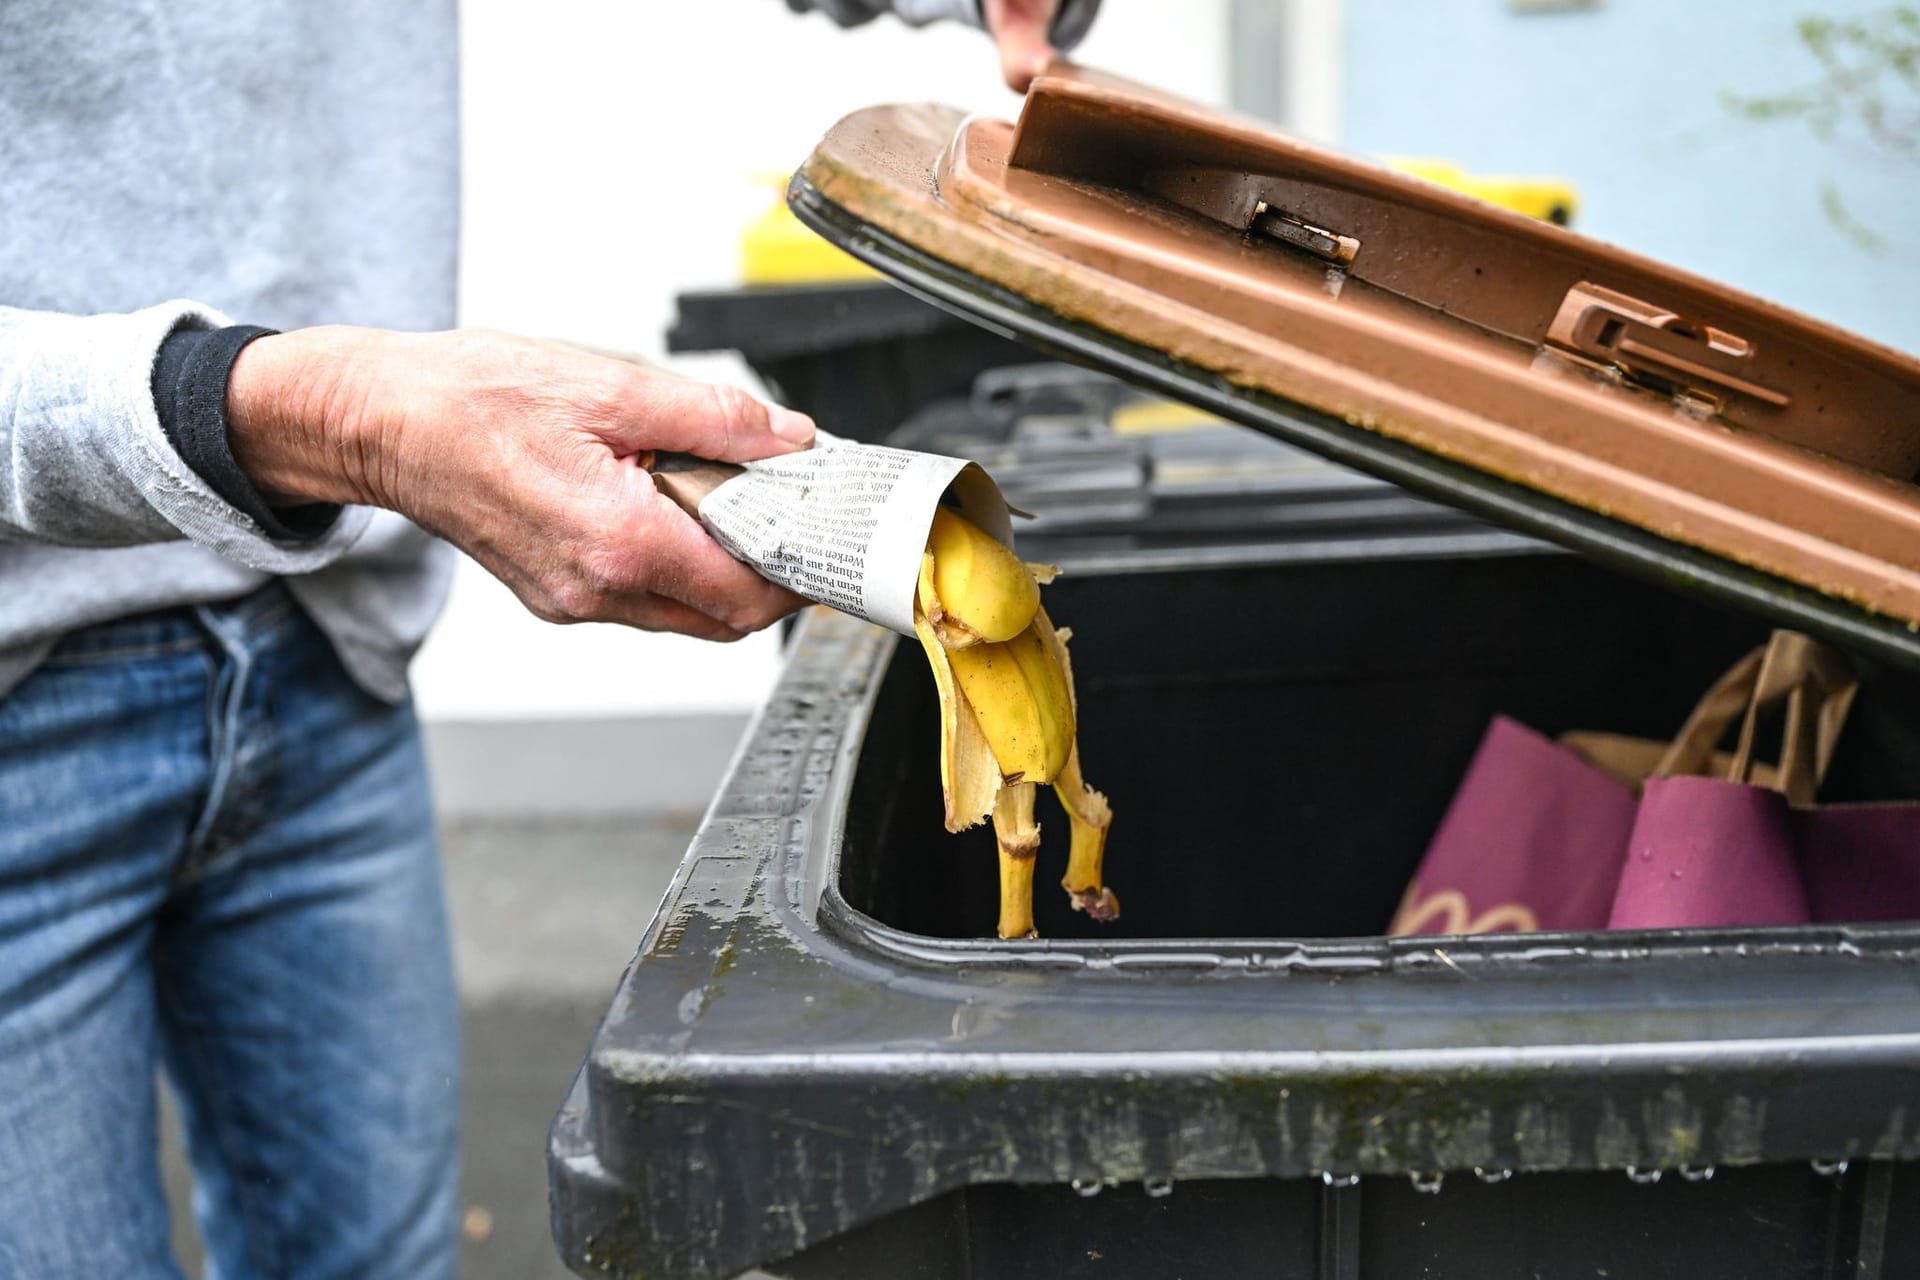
(1427, 1183)
(1493, 1175)
(1333, 1179)
(1644, 1177)
(1829, 1168)
(1702, 1173)
(1088, 1187)
(1158, 1187)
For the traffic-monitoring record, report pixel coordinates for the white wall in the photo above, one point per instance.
(584, 119)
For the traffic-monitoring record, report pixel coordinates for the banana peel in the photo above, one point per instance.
(1018, 838)
(1088, 812)
(979, 590)
(974, 782)
(969, 775)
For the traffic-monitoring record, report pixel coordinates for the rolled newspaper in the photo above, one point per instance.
(843, 524)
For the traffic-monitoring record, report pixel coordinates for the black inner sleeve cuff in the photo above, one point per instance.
(190, 394)
(1070, 25)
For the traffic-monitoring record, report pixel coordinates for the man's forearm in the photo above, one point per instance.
(297, 419)
(84, 459)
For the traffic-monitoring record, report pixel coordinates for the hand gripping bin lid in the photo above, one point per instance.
(787, 1080)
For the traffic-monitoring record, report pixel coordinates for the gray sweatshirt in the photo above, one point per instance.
(179, 163)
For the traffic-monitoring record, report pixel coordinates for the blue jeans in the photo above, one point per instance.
(217, 856)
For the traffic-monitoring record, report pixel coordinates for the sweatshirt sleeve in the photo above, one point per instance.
(1069, 26)
(85, 461)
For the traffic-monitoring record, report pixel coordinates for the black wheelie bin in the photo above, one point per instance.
(821, 1064)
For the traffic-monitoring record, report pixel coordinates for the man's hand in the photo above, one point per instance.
(524, 454)
(1020, 28)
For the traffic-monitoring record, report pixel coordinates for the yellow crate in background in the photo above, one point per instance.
(1548, 199)
(776, 249)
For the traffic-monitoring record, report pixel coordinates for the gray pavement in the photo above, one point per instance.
(546, 914)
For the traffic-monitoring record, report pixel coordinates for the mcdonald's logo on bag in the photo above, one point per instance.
(1447, 911)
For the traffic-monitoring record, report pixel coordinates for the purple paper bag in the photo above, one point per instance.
(1707, 853)
(1534, 839)
(1602, 831)
(1860, 862)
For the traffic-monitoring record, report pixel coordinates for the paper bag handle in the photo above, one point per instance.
(1813, 681)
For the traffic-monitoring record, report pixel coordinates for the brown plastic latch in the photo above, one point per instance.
(1656, 347)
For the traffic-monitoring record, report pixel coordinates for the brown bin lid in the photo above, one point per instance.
(1651, 418)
